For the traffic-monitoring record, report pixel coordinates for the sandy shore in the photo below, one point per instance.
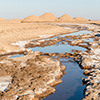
(13, 31)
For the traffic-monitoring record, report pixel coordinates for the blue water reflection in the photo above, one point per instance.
(71, 88)
(61, 48)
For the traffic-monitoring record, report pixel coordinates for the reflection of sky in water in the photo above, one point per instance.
(61, 48)
(89, 40)
(76, 33)
(17, 55)
(71, 88)
(84, 43)
(80, 33)
(71, 34)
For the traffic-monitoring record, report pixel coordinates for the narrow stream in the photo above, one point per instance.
(71, 88)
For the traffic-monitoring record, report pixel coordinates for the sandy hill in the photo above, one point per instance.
(80, 19)
(96, 22)
(16, 19)
(1, 19)
(48, 17)
(31, 18)
(66, 17)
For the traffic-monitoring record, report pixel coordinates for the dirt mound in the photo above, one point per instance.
(80, 19)
(65, 17)
(31, 18)
(1, 19)
(16, 20)
(48, 17)
(95, 22)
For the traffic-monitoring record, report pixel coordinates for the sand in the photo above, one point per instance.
(33, 27)
(30, 77)
(24, 74)
(48, 17)
(80, 19)
(31, 19)
(11, 32)
(51, 18)
(66, 18)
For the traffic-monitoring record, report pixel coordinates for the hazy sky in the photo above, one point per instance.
(10, 9)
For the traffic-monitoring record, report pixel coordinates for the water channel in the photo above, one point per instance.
(71, 88)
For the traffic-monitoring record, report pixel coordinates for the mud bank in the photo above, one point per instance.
(29, 77)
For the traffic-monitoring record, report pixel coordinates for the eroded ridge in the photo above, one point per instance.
(30, 77)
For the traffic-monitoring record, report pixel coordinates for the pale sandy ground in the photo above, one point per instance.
(13, 31)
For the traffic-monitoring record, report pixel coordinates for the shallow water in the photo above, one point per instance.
(72, 34)
(60, 48)
(17, 55)
(71, 88)
(89, 40)
(80, 33)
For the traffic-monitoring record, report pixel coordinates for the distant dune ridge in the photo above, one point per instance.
(31, 18)
(33, 27)
(80, 19)
(2, 19)
(50, 17)
(66, 17)
(16, 19)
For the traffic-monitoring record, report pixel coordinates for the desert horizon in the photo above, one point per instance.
(45, 13)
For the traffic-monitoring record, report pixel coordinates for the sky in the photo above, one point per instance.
(10, 9)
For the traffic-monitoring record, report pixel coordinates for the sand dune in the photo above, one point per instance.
(48, 17)
(80, 19)
(95, 22)
(66, 17)
(16, 19)
(31, 19)
(2, 19)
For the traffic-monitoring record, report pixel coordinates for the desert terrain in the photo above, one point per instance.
(33, 75)
(33, 27)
